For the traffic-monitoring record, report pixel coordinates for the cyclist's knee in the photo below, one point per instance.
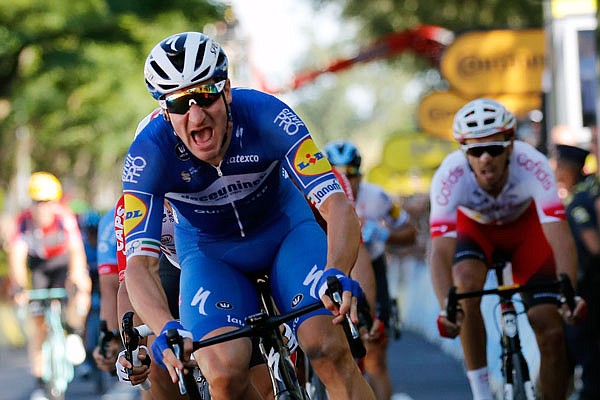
(551, 339)
(162, 386)
(228, 383)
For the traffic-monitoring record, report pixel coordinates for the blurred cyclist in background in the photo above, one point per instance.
(382, 222)
(47, 251)
(88, 225)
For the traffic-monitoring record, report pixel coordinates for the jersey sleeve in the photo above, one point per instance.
(106, 248)
(143, 198)
(444, 199)
(542, 183)
(119, 225)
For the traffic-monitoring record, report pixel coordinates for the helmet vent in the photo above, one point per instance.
(200, 55)
(178, 60)
(489, 121)
(471, 124)
(201, 75)
(159, 70)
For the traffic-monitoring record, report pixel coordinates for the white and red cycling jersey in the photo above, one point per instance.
(167, 239)
(530, 180)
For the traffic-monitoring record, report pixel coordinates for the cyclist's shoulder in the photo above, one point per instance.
(529, 159)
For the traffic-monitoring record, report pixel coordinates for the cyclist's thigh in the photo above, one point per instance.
(472, 255)
(298, 267)
(213, 295)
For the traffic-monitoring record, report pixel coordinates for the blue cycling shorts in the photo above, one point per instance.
(217, 277)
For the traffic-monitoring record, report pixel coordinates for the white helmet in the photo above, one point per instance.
(182, 60)
(482, 117)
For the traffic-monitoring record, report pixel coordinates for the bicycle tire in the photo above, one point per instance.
(395, 319)
(520, 389)
(60, 371)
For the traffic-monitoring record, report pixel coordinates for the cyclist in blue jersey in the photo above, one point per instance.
(109, 285)
(216, 153)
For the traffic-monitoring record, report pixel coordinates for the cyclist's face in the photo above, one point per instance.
(42, 213)
(204, 130)
(491, 170)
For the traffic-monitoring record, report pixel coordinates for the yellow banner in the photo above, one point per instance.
(496, 61)
(563, 8)
(416, 151)
(436, 110)
(401, 183)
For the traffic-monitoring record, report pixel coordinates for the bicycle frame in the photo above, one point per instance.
(517, 380)
(57, 371)
(265, 325)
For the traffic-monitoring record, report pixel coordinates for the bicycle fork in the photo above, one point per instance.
(282, 370)
(512, 354)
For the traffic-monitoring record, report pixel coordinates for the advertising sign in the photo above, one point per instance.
(495, 61)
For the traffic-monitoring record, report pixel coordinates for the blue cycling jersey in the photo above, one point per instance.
(247, 191)
(107, 243)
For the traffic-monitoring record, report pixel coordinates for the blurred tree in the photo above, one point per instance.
(71, 74)
(381, 17)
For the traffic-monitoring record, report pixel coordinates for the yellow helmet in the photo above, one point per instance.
(43, 186)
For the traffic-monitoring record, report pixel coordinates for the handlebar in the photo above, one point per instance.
(334, 290)
(257, 325)
(563, 286)
(131, 340)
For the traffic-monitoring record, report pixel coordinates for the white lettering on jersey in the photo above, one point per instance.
(225, 190)
(312, 279)
(133, 167)
(290, 122)
(200, 300)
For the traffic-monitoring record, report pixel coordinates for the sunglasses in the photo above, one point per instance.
(203, 96)
(494, 149)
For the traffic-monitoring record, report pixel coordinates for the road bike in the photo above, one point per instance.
(517, 383)
(266, 325)
(57, 370)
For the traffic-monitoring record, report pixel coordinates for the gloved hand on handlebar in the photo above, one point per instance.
(372, 231)
(160, 344)
(351, 294)
(578, 315)
(140, 374)
(447, 328)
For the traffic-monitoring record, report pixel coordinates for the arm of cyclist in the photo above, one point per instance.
(343, 238)
(442, 256)
(105, 354)
(17, 262)
(561, 240)
(126, 371)
(150, 303)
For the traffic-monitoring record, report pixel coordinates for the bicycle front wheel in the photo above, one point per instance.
(521, 387)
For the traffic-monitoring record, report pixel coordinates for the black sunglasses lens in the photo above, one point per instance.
(494, 150)
(182, 104)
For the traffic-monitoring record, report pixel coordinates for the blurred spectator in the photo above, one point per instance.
(582, 203)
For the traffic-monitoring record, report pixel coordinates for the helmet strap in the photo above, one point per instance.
(229, 119)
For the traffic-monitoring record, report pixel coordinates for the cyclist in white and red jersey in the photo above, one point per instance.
(47, 248)
(498, 194)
